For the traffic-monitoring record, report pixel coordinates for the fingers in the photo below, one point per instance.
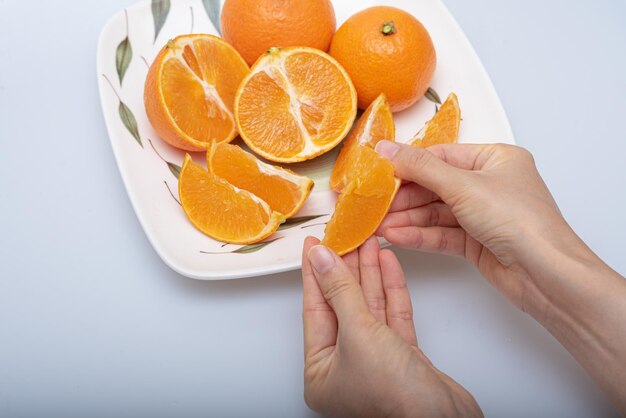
(399, 310)
(337, 284)
(435, 239)
(412, 195)
(422, 167)
(319, 320)
(371, 279)
(434, 214)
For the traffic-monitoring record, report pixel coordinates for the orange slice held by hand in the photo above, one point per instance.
(282, 189)
(375, 124)
(295, 104)
(190, 91)
(222, 211)
(443, 128)
(363, 203)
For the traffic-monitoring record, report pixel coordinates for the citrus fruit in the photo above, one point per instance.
(363, 204)
(282, 189)
(254, 26)
(386, 50)
(295, 104)
(443, 128)
(190, 91)
(222, 211)
(375, 124)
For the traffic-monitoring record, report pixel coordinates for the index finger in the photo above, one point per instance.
(464, 156)
(319, 320)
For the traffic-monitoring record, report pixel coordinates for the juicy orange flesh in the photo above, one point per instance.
(241, 169)
(216, 208)
(219, 73)
(443, 128)
(192, 88)
(363, 204)
(265, 118)
(279, 108)
(323, 92)
(381, 127)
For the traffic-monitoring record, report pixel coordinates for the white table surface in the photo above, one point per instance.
(92, 323)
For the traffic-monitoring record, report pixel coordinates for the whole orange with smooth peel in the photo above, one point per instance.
(254, 26)
(386, 50)
(296, 103)
(190, 91)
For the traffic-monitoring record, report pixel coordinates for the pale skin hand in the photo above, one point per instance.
(361, 354)
(488, 204)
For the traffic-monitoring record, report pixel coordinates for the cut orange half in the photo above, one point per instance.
(190, 91)
(363, 204)
(283, 190)
(222, 211)
(295, 104)
(375, 124)
(443, 128)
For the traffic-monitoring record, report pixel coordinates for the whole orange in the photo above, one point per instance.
(254, 26)
(386, 50)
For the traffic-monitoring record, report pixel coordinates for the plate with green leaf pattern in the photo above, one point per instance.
(149, 167)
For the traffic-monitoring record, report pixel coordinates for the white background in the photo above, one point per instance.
(92, 323)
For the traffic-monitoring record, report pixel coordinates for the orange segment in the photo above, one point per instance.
(283, 190)
(363, 204)
(190, 91)
(375, 124)
(221, 210)
(443, 128)
(295, 104)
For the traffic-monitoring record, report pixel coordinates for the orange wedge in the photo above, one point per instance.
(190, 91)
(443, 128)
(222, 211)
(375, 124)
(295, 104)
(363, 203)
(283, 190)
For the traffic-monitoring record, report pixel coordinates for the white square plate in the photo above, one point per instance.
(148, 165)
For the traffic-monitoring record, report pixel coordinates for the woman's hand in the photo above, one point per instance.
(488, 204)
(361, 354)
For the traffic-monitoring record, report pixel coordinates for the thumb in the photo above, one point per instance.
(338, 285)
(422, 167)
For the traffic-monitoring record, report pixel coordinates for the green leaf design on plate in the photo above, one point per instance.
(212, 8)
(160, 10)
(252, 248)
(432, 95)
(174, 168)
(129, 121)
(291, 222)
(123, 56)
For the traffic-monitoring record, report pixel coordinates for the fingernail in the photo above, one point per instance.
(321, 258)
(387, 149)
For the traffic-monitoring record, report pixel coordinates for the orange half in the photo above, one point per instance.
(363, 204)
(222, 211)
(295, 104)
(190, 91)
(443, 128)
(375, 124)
(282, 189)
